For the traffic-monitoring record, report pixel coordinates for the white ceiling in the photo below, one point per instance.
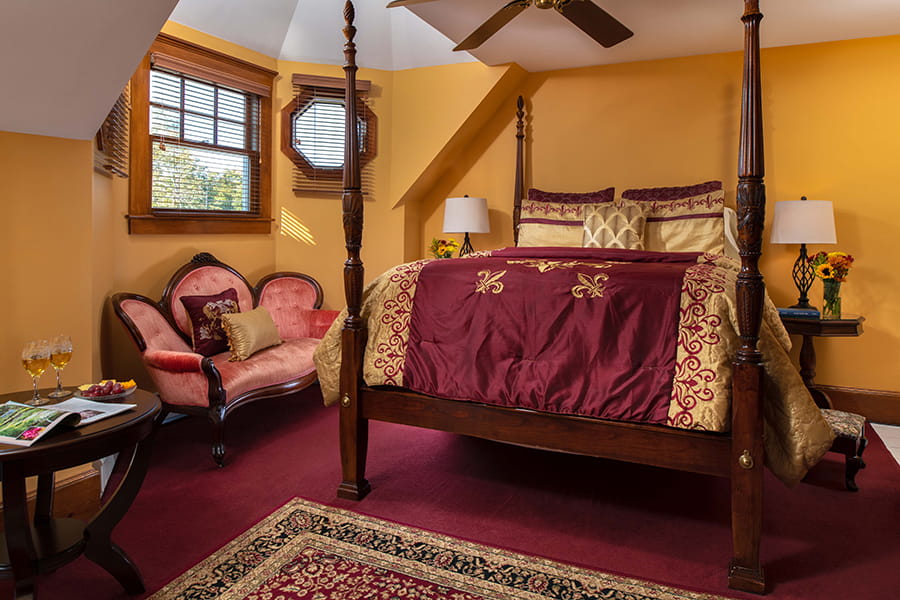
(538, 40)
(65, 62)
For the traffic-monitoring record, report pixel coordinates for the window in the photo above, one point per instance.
(313, 133)
(200, 155)
(111, 141)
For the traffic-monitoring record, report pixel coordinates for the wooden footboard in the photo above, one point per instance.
(738, 455)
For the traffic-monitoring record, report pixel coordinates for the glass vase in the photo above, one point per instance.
(831, 309)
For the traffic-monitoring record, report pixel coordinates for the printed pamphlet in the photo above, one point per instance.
(23, 425)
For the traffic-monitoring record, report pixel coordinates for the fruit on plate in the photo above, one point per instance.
(107, 387)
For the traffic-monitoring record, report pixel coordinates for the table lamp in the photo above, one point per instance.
(466, 215)
(803, 222)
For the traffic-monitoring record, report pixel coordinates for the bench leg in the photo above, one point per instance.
(854, 464)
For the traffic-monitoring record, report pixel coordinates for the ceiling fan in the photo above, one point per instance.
(584, 14)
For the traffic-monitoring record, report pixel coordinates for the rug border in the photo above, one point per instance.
(174, 586)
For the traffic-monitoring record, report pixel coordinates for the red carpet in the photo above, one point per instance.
(819, 541)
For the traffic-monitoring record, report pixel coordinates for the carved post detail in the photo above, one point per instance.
(520, 167)
(747, 452)
(354, 429)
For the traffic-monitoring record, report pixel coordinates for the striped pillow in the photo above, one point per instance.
(556, 218)
(683, 219)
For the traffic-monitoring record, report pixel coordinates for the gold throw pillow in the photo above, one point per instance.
(249, 332)
(614, 225)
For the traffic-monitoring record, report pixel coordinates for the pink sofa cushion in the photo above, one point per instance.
(155, 329)
(272, 366)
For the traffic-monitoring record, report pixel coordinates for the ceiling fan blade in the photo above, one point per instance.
(396, 3)
(595, 22)
(493, 25)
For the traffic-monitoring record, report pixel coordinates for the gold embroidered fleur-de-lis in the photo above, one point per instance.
(544, 265)
(490, 282)
(592, 287)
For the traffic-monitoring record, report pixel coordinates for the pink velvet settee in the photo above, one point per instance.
(195, 367)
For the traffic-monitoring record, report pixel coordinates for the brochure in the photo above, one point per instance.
(23, 425)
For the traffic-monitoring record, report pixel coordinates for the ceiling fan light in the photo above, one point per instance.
(545, 3)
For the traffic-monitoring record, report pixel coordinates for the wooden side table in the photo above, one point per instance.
(848, 326)
(29, 549)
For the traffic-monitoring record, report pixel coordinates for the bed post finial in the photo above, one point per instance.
(354, 429)
(520, 167)
(747, 454)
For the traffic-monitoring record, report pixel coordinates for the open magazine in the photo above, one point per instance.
(23, 425)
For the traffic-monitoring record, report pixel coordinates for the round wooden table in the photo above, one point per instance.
(29, 549)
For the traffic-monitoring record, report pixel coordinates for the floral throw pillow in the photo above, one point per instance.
(205, 313)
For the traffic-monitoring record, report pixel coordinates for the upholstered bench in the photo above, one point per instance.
(214, 342)
(850, 430)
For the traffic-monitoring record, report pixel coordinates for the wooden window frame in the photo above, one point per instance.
(197, 61)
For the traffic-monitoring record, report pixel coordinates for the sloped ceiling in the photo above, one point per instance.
(64, 63)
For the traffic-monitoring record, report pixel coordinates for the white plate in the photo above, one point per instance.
(127, 392)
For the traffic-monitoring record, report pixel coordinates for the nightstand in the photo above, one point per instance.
(849, 428)
(848, 326)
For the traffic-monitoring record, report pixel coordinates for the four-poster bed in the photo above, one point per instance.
(736, 452)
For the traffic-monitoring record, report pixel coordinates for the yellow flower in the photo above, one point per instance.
(825, 271)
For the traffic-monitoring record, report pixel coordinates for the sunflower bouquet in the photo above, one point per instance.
(832, 268)
(443, 248)
(831, 265)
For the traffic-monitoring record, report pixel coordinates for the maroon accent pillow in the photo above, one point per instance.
(662, 194)
(205, 313)
(607, 195)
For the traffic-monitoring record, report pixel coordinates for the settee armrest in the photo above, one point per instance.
(319, 321)
(174, 361)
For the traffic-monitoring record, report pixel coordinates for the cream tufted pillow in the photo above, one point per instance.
(614, 225)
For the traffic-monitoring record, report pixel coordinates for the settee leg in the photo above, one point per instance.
(218, 441)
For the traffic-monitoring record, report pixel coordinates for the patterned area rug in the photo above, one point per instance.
(307, 551)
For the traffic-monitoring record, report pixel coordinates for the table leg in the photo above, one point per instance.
(43, 504)
(19, 544)
(808, 372)
(99, 547)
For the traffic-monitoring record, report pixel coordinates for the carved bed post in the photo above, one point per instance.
(745, 572)
(520, 167)
(354, 429)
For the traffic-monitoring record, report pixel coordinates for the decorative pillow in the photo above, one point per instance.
(249, 332)
(614, 225)
(550, 224)
(205, 313)
(683, 219)
(607, 195)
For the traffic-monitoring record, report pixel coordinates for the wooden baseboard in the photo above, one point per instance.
(76, 495)
(875, 405)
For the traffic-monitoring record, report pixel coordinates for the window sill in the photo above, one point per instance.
(151, 224)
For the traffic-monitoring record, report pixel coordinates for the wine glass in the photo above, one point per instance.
(36, 359)
(60, 355)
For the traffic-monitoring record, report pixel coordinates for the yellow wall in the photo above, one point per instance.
(45, 236)
(831, 133)
(445, 131)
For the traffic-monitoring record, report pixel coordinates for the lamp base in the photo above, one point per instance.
(802, 305)
(803, 276)
(466, 247)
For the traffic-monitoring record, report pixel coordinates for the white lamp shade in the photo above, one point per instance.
(803, 222)
(466, 215)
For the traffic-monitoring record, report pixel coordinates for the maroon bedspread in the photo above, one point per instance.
(567, 330)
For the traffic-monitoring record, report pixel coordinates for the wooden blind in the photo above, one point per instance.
(111, 154)
(313, 134)
(205, 145)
